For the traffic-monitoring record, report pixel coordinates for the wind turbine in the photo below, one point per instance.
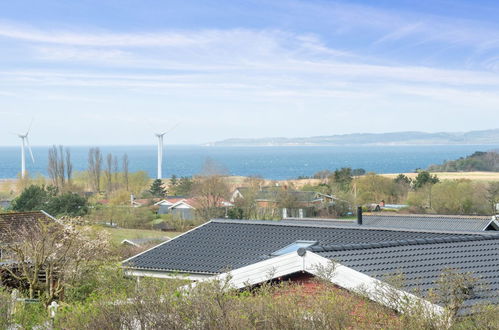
(25, 143)
(160, 150)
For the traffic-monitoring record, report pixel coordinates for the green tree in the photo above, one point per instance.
(341, 179)
(183, 187)
(402, 179)
(493, 195)
(372, 188)
(424, 178)
(157, 189)
(358, 172)
(67, 204)
(138, 182)
(173, 181)
(33, 198)
(460, 197)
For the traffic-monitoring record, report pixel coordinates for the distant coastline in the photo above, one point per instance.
(484, 137)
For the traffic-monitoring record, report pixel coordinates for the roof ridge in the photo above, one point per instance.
(404, 242)
(345, 226)
(433, 216)
(23, 212)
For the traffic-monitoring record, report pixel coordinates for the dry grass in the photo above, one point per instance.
(8, 188)
(475, 176)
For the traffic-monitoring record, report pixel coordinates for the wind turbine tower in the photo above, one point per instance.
(25, 143)
(160, 150)
(160, 154)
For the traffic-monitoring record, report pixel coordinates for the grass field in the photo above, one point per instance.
(119, 234)
(475, 176)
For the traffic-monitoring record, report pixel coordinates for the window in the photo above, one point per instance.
(293, 247)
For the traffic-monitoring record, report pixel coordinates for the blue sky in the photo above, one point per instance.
(111, 72)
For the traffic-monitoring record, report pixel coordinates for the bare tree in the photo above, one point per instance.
(108, 173)
(125, 170)
(210, 192)
(247, 203)
(56, 166)
(212, 167)
(69, 165)
(116, 172)
(51, 255)
(94, 168)
(61, 167)
(52, 166)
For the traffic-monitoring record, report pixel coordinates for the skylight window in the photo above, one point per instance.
(293, 247)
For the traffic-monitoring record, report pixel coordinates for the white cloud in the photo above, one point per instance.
(102, 39)
(226, 77)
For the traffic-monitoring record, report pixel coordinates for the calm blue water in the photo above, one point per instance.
(268, 162)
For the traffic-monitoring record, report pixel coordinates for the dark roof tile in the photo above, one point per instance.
(413, 222)
(222, 244)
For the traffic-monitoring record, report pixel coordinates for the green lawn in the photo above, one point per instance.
(119, 234)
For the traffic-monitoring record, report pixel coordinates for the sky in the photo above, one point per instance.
(112, 72)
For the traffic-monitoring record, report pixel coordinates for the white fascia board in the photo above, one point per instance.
(235, 195)
(159, 274)
(182, 202)
(263, 271)
(312, 263)
(493, 222)
(163, 202)
(376, 290)
(129, 242)
(51, 217)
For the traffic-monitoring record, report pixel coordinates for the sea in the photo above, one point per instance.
(273, 162)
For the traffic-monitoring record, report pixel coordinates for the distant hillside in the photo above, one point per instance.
(397, 138)
(479, 161)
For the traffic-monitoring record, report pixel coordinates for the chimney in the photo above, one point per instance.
(359, 215)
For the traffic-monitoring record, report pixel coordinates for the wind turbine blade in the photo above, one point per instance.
(29, 127)
(172, 128)
(30, 152)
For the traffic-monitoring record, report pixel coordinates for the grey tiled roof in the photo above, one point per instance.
(420, 222)
(229, 244)
(422, 263)
(14, 220)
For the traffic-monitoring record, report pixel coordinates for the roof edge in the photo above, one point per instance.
(324, 224)
(174, 238)
(406, 242)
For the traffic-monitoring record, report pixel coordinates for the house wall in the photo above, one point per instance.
(181, 213)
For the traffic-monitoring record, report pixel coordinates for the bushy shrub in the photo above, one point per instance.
(460, 197)
(161, 305)
(122, 216)
(176, 223)
(5, 305)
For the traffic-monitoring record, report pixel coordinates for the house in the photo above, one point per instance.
(299, 203)
(169, 201)
(183, 207)
(419, 222)
(15, 222)
(179, 206)
(258, 251)
(139, 202)
(12, 220)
